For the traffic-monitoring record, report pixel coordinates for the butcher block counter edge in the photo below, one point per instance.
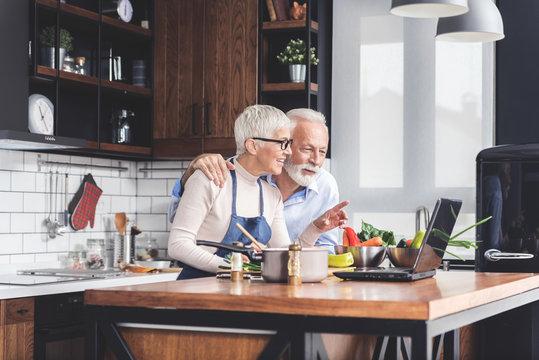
(446, 294)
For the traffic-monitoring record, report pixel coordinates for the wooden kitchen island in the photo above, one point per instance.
(422, 310)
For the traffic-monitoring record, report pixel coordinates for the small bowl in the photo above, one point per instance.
(402, 257)
(364, 256)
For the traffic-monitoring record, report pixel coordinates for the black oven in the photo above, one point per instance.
(59, 326)
(508, 190)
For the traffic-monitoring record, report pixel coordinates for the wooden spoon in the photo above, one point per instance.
(120, 220)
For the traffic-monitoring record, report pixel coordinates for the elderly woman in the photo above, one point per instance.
(208, 212)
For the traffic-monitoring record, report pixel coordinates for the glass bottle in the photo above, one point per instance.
(95, 256)
(294, 264)
(80, 65)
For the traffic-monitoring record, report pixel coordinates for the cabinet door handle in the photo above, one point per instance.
(207, 116)
(22, 311)
(194, 119)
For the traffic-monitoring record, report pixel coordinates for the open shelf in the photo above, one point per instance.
(288, 24)
(126, 87)
(75, 10)
(126, 26)
(288, 86)
(49, 3)
(142, 150)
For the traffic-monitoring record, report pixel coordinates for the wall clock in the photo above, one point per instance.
(40, 115)
(125, 10)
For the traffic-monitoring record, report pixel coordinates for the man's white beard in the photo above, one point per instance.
(294, 171)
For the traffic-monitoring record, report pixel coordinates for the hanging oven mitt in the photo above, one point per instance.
(83, 205)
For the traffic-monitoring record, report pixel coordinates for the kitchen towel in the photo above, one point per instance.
(83, 205)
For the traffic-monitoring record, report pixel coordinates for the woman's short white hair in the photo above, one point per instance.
(305, 114)
(258, 121)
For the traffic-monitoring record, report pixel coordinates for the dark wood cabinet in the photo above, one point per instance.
(115, 54)
(205, 74)
(17, 329)
(275, 87)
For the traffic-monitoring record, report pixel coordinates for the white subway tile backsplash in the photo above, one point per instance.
(23, 223)
(21, 181)
(120, 204)
(23, 259)
(42, 182)
(10, 244)
(111, 186)
(5, 181)
(144, 205)
(12, 160)
(97, 171)
(30, 161)
(11, 201)
(160, 205)
(5, 222)
(128, 187)
(151, 187)
(152, 222)
(58, 244)
(25, 203)
(37, 202)
(34, 243)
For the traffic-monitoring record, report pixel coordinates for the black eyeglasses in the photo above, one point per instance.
(284, 143)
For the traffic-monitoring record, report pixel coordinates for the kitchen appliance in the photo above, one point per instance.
(314, 261)
(122, 122)
(508, 189)
(59, 326)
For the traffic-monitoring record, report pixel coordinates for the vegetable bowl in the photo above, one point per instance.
(364, 256)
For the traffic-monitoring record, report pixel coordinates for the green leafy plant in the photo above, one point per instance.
(368, 232)
(295, 53)
(47, 38)
(452, 241)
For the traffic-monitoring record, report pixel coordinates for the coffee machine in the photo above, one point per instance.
(508, 190)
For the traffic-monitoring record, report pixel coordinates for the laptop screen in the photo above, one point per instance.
(437, 235)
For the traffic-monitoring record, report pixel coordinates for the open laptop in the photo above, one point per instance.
(430, 253)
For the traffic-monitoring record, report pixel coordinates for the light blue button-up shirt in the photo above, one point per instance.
(299, 210)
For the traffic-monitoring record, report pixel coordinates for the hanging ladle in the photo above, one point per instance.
(51, 227)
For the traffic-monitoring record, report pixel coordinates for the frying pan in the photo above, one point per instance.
(314, 261)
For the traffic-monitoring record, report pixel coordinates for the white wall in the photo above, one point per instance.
(25, 204)
(389, 111)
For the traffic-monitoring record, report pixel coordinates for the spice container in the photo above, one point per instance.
(236, 264)
(95, 256)
(294, 264)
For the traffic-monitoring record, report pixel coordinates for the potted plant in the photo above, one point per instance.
(47, 40)
(295, 56)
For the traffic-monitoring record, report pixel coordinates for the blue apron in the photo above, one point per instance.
(256, 226)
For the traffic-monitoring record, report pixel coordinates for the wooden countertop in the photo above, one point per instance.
(447, 293)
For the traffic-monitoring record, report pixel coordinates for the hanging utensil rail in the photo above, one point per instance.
(46, 162)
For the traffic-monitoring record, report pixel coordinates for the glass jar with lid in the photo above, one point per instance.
(69, 64)
(95, 255)
(146, 249)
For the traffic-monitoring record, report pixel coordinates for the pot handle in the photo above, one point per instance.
(251, 254)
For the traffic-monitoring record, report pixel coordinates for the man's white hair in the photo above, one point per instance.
(305, 114)
(258, 121)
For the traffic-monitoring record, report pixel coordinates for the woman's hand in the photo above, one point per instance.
(332, 218)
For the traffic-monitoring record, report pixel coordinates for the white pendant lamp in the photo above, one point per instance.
(428, 8)
(483, 23)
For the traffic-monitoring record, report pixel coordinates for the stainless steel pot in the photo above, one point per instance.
(314, 261)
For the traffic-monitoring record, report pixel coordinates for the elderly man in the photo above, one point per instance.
(307, 190)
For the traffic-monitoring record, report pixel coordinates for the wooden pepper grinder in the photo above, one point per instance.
(236, 264)
(294, 264)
